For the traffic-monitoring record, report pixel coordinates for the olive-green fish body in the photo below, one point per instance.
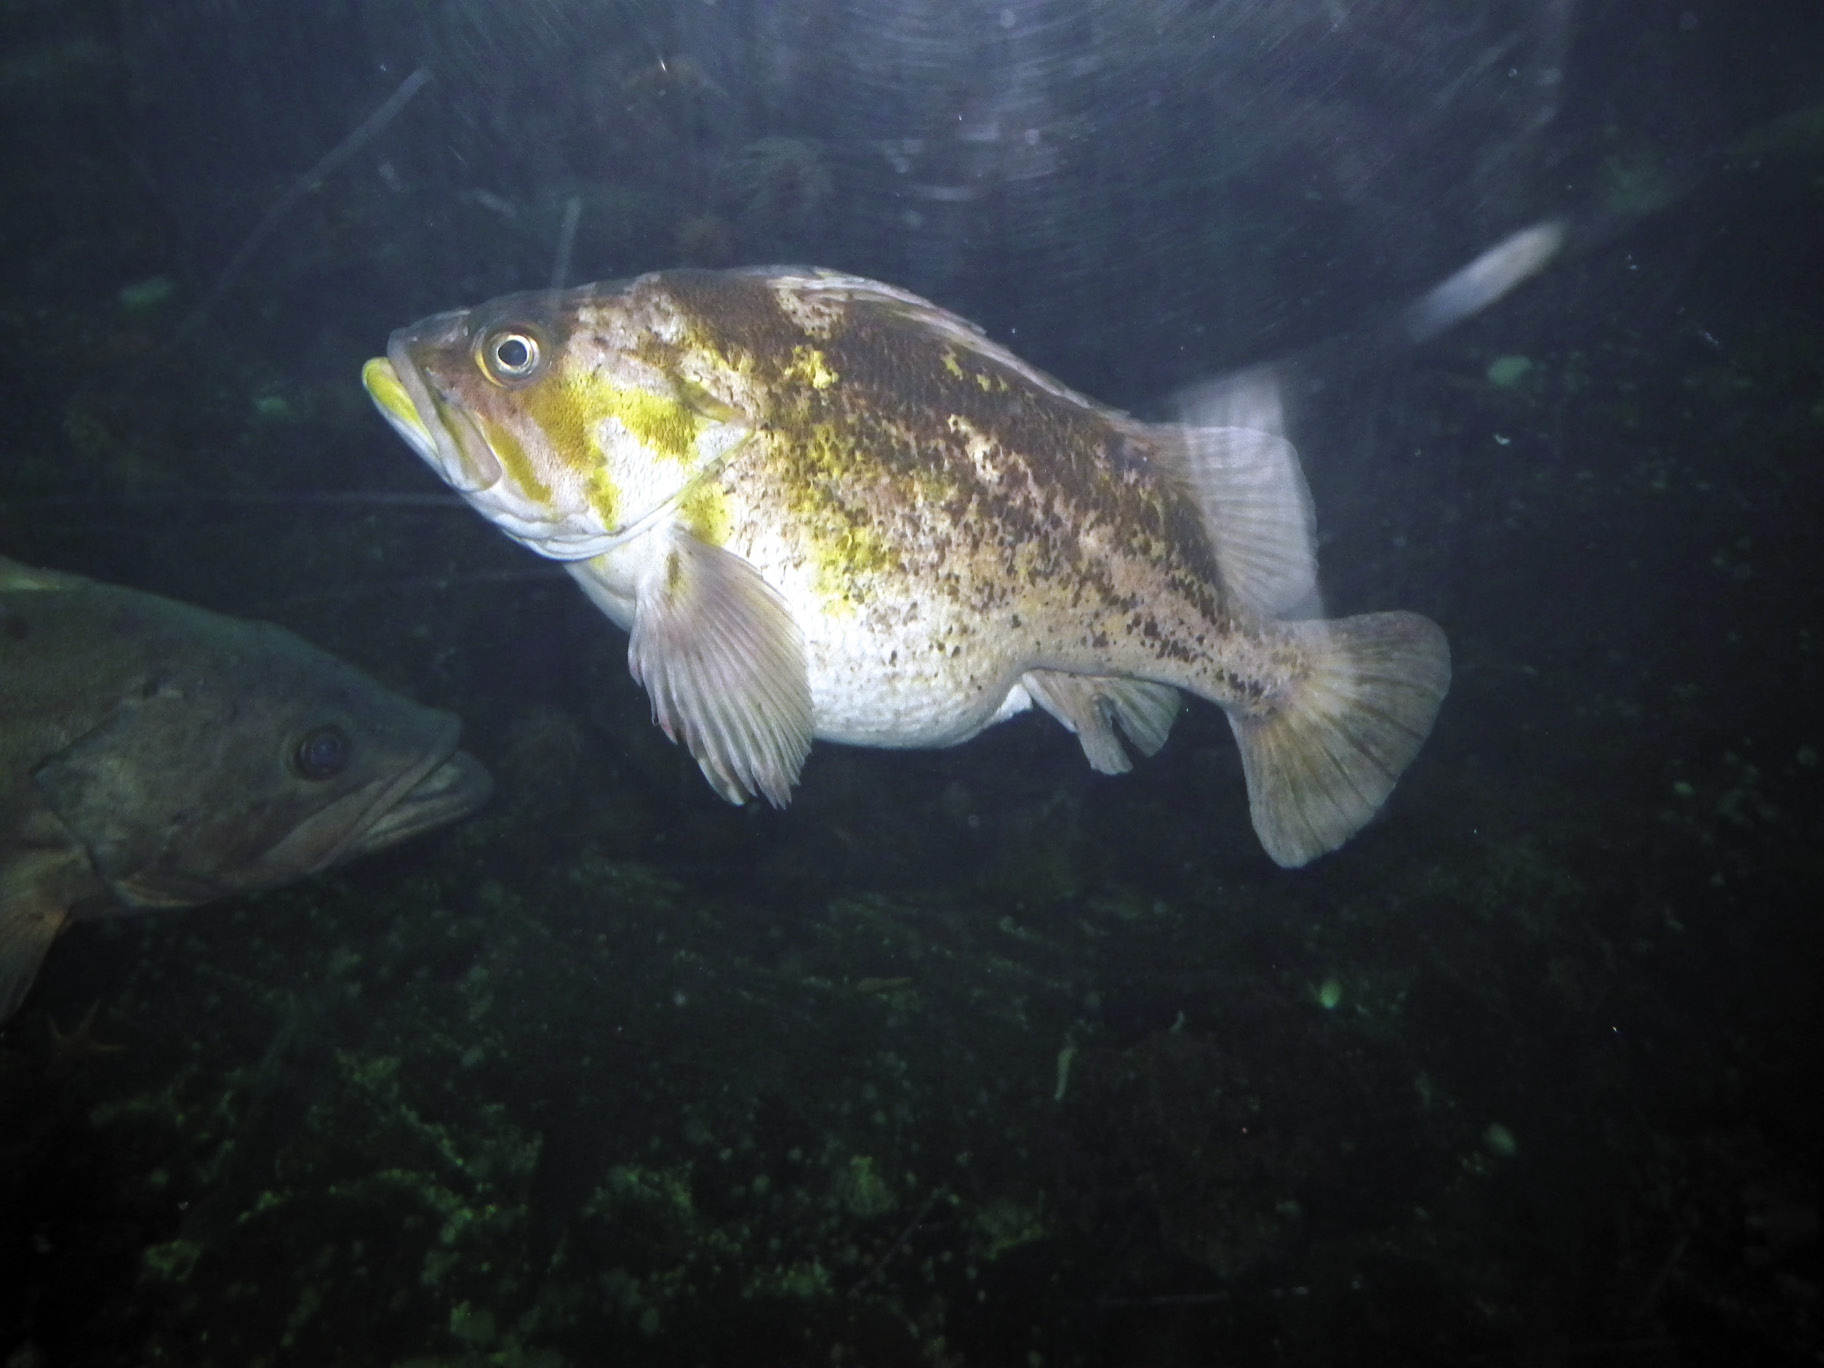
(824, 507)
(154, 754)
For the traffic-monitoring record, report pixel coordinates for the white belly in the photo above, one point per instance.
(878, 679)
(892, 674)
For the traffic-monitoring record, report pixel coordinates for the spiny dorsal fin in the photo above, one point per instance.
(958, 332)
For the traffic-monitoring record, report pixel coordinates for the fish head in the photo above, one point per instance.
(246, 758)
(571, 419)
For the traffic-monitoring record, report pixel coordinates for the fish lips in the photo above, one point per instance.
(442, 434)
(453, 788)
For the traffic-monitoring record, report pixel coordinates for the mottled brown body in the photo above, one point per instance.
(977, 518)
(824, 507)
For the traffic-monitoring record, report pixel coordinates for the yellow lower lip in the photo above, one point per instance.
(381, 382)
(454, 449)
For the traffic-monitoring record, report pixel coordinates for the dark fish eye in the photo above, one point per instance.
(322, 754)
(510, 355)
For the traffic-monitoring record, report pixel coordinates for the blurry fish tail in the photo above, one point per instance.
(1321, 764)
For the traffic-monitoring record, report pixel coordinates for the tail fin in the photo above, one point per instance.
(1321, 764)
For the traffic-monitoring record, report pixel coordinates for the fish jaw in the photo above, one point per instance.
(442, 785)
(383, 385)
(452, 789)
(446, 439)
(439, 434)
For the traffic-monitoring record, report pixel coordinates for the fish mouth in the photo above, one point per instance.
(441, 434)
(441, 785)
(448, 440)
(429, 797)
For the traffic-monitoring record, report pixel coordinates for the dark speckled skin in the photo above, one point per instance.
(938, 516)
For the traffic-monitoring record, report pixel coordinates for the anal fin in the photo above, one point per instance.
(1090, 706)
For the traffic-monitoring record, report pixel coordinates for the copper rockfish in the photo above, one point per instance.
(824, 507)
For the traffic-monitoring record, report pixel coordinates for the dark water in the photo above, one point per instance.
(969, 1057)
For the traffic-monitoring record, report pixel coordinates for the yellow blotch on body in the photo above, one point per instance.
(569, 410)
(704, 510)
(809, 368)
(845, 561)
(846, 549)
(664, 426)
(511, 454)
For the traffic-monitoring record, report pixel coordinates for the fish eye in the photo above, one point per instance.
(321, 754)
(510, 356)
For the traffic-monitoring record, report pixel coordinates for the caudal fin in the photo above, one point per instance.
(1324, 761)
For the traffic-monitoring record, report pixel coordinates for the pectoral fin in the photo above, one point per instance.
(1091, 705)
(31, 916)
(718, 653)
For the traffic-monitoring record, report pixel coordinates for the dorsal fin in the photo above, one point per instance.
(959, 332)
(1256, 511)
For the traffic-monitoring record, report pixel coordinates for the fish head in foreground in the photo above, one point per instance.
(567, 418)
(154, 754)
(826, 508)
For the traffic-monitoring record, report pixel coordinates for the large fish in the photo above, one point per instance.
(156, 755)
(824, 507)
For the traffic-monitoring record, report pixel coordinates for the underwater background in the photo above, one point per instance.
(969, 1057)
